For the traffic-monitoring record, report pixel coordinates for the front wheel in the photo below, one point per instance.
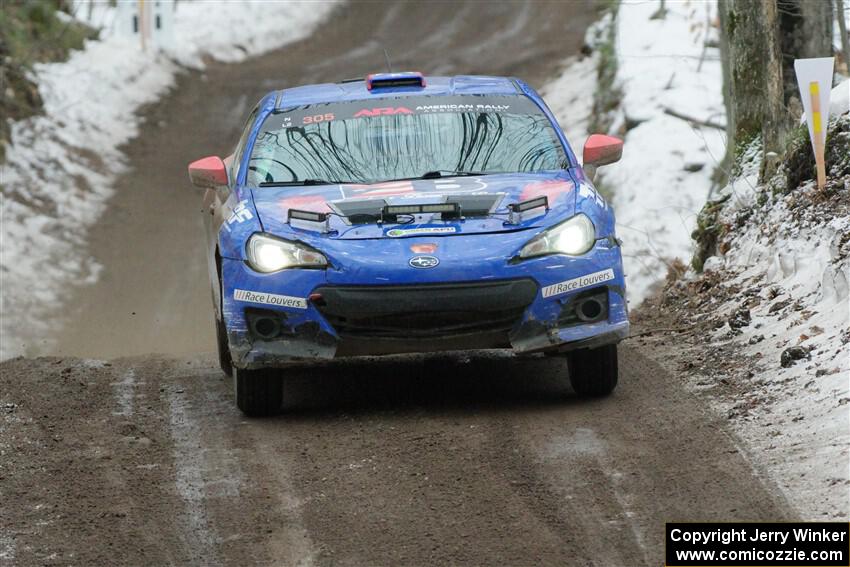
(258, 392)
(593, 372)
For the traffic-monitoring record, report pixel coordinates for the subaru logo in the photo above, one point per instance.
(423, 262)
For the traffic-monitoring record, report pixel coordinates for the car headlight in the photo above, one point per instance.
(269, 254)
(573, 237)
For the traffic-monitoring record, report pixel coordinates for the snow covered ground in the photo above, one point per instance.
(664, 177)
(61, 165)
(790, 257)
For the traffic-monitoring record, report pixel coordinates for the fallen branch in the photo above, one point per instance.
(661, 330)
(692, 120)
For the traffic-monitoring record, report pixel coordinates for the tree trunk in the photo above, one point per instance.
(726, 66)
(842, 27)
(776, 117)
(816, 28)
(756, 106)
(806, 31)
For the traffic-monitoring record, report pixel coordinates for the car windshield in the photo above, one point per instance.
(402, 138)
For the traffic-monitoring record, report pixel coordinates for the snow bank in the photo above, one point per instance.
(570, 95)
(788, 264)
(61, 166)
(663, 180)
(790, 254)
(664, 177)
(568, 98)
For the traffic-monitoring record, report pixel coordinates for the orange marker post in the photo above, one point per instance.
(817, 128)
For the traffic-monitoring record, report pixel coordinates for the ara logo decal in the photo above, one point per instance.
(383, 111)
(423, 262)
(239, 214)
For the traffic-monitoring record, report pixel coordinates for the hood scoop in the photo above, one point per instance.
(484, 204)
(367, 211)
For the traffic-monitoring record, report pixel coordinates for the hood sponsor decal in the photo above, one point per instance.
(459, 185)
(428, 248)
(552, 189)
(315, 203)
(578, 283)
(423, 262)
(400, 232)
(415, 188)
(269, 299)
(387, 189)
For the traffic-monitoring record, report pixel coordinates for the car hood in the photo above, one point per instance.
(273, 204)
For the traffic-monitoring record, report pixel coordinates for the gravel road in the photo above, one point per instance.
(402, 461)
(413, 460)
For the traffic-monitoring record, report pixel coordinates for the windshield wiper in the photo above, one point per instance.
(436, 174)
(300, 182)
(448, 173)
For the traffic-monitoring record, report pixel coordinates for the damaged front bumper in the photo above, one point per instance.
(548, 304)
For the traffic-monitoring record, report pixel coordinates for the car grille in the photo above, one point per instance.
(425, 311)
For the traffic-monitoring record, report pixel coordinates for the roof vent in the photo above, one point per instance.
(392, 80)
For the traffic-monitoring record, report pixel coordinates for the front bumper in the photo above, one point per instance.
(526, 306)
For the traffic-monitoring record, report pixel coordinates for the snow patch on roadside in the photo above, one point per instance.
(61, 166)
(569, 100)
(790, 256)
(665, 175)
(788, 252)
(199, 535)
(125, 392)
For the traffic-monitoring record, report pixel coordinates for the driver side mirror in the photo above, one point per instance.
(209, 172)
(601, 150)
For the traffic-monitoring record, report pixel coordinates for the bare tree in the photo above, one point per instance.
(806, 27)
(759, 41)
(842, 27)
(752, 63)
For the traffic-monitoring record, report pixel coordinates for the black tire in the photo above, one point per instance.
(258, 392)
(224, 360)
(593, 372)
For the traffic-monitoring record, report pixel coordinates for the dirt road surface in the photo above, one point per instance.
(403, 461)
(451, 459)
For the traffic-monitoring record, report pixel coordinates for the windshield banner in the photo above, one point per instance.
(327, 112)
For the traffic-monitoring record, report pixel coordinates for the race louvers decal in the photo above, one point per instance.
(269, 299)
(578, 283)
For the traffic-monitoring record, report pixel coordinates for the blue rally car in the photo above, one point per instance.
(404, 213)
